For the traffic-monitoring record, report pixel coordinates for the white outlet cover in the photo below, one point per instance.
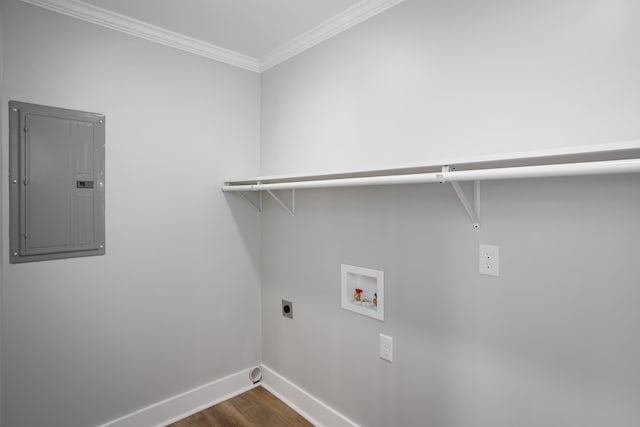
(386, 347)
(489, 260)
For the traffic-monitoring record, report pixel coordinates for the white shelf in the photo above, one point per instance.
(616, 158)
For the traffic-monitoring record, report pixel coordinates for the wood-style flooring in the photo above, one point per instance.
(254, 408)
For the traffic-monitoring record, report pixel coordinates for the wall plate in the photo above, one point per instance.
(489, 260)
(287, 309)
(363, 291)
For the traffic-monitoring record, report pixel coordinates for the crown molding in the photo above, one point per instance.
(356, 14)
(115, 21)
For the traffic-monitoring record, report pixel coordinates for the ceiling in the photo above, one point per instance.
(251, 34)
(250, 27)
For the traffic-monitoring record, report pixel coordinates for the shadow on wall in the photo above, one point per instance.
(247, 220)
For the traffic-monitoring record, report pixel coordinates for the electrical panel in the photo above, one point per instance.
(56, 183)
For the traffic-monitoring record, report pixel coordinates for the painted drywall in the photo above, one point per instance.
(175, 302)
(1, 232)
(439, 79)
(553, 340)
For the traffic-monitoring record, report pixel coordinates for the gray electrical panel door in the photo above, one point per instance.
(57, 183)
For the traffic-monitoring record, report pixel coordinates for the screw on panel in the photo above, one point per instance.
(14, 181)
(15, 254)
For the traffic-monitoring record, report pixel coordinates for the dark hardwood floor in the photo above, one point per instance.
(254, 408)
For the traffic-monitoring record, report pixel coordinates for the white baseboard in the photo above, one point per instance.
(317, 412)
(184, 404)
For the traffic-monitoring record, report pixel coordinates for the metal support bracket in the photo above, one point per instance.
(472, 211)
(257, 202)
(292, 209)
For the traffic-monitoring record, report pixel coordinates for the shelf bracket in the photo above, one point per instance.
(472, 211)
(292, 209)
(255, 203)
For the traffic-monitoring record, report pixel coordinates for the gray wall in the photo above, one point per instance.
(434, 79)
(554, 340)
(2, 190)
(175, 302)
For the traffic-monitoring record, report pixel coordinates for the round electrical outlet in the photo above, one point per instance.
(287, 309)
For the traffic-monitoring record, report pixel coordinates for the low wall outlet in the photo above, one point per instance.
(489, 260)
(386, 347)
(287, 309)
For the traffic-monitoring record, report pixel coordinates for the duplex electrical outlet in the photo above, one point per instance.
(489, 261)
(386, 347)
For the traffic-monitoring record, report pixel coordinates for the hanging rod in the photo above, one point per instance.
(617, 158)
(446, 175)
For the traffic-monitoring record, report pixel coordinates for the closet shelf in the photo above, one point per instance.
(607, 159)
